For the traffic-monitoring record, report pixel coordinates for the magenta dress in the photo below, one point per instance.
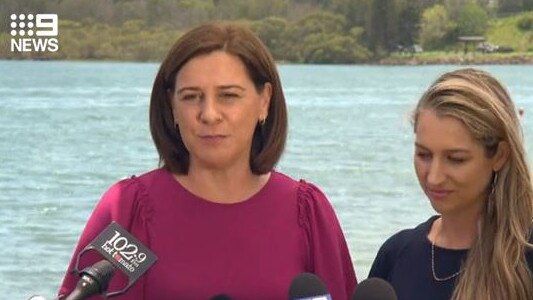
(248, 250)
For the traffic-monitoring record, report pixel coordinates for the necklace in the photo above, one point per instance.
(439, 279)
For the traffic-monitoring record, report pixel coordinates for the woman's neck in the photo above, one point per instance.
(223, 186)
(454, 232)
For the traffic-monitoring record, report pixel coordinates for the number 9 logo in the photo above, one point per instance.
(47, 21)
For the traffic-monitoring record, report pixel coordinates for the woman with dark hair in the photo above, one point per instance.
(218, 216)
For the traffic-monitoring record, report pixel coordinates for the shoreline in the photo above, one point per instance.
(427, 58)
(459, 59)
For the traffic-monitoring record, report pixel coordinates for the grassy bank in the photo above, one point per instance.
(515, 32)
(459, 58)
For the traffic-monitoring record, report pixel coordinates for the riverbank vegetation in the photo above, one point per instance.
(296, 31)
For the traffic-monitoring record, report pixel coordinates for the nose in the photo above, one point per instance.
(209, 111)
(435, 173)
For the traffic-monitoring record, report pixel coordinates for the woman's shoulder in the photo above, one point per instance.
(402, 238)
(305, 190)
(134, 183)
(129, 194)
(284, 180)
(309, 194)
(151, 177)
(314, 205)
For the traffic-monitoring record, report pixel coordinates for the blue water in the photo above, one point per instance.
(68, 130)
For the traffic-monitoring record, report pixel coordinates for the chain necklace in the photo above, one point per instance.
(439, 279)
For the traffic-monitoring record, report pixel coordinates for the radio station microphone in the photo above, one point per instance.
(93, 280)
(307, 286)
(374, 289)
(121, 250)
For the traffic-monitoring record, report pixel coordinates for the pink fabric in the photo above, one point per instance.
(248, 250)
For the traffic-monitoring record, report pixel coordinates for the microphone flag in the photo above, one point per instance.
(123, 250)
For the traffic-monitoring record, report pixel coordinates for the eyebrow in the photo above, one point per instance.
(231, 86)
(195, 89)
(458, 150)
(221, 87)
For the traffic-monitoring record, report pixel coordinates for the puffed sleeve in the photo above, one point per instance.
(328, 253)
(125, 203)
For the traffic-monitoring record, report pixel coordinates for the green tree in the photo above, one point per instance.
(435, 27)
(408, 23)
(454, 7)
(355, 11)
(512, 6)
(314, 24)
(527, 5)
(382, 26)
(129, 10)
(472, 20)
(260, 9)
(99, 10)
(332, 48)
(320, 22)
(249, 9)
(158, 12)
(272, 31)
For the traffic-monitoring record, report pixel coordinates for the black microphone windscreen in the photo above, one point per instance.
(93, 280)
(308, 285)
(102, 272)
(374, 289)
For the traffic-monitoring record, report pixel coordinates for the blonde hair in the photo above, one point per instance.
(496, 266)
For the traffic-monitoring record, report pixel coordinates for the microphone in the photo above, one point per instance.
(307, 286)
(121, 250)
(93, 280)
(374, 289)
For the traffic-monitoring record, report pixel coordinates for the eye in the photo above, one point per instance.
(457, 160)
(423, 155)
(229, 95)
(189, 97)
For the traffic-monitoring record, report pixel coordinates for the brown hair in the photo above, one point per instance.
(269, 138)
(496, 266)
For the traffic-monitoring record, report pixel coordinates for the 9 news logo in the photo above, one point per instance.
(35, 32)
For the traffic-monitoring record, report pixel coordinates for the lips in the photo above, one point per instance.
(212, 138)
(438, 194)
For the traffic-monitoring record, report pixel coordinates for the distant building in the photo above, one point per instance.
(472, 40)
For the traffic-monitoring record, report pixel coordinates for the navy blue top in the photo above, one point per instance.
(404, 260)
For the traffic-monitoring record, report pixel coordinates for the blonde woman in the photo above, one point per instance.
(471, 164)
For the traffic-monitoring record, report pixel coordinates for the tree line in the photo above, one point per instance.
(307, 31)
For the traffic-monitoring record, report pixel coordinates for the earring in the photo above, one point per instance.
(262, 121)
(494, 182)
